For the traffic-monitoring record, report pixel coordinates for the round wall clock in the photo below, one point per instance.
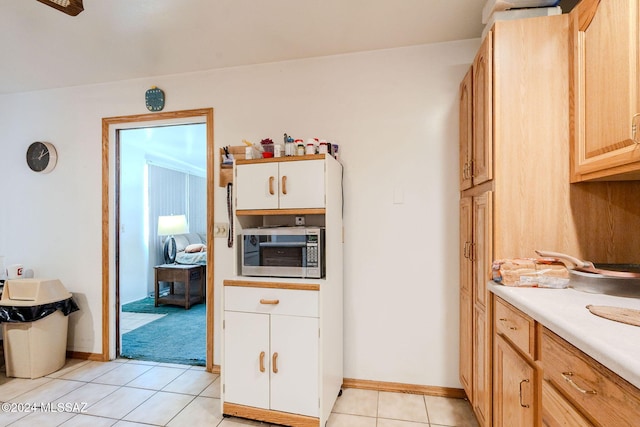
(42, 157)
(154, 98)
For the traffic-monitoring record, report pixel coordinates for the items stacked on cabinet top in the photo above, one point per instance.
(503, 10)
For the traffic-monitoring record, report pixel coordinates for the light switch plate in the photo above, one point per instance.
(220, 229)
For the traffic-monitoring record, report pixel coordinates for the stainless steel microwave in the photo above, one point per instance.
(283, 252)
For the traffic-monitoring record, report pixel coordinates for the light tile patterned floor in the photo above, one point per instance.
(129, 393)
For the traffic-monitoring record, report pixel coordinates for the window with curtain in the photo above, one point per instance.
(172, 192)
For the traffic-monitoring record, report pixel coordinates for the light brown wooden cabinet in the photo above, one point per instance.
(605, 93)
(515, 377)
(482, 162)
(466, 130)
(541, 379)
(466, 296)
(514, 387)
(516, 164)
(579, 390)
(475, 120)
(475, 332)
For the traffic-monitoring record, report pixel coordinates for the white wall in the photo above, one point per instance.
(134, 241)
(394, 114)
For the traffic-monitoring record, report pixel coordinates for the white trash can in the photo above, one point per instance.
(34, 315)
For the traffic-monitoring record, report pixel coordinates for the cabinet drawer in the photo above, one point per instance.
(516, 326)
(288, 302)
(557, 411)
(597, 391)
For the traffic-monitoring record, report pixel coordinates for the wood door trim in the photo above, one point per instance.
(107, 123)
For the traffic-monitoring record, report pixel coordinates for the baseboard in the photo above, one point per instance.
(98, 357)
(269, 416)
(457, 393)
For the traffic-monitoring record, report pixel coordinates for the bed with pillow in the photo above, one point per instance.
(191, 248)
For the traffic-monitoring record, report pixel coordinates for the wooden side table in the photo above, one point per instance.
(185, 274)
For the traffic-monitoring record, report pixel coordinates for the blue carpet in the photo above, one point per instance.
(178, 337)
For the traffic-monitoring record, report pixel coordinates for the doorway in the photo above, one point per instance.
(162, 175)
(112, 128)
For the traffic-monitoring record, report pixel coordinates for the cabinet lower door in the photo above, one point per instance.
(294, 365)
(557, 411)
(246, 359)
(481, 400)
(514, 395)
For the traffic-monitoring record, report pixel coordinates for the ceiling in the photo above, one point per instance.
(114, 40)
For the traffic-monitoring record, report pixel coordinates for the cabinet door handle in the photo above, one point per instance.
(274, 362)
(466, 250)
(568, 377)
(284, 184)
(634, 128)
(521, 404)
(513, 328)
(271, 179)
(270, 301)
(262, 361)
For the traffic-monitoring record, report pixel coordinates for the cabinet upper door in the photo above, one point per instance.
(302, 184)
(256, 186)
(605, 64)
(294, 365)
(246, 359)
(466, 129)
(482, 166)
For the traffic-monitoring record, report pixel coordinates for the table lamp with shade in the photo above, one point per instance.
(171, 225)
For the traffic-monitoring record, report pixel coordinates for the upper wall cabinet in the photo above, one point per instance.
(482, 163)
(466, 129)
(476, 126)
(280, 184)
(605, 95)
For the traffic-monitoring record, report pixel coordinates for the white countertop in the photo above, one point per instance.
(615, 345)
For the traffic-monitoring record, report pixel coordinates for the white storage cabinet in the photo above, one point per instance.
(271, 358)
(280, 185)
(282, 338)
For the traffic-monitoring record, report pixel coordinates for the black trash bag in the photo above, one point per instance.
(15, 314)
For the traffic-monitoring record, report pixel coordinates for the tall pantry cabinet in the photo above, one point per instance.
(516, 127)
